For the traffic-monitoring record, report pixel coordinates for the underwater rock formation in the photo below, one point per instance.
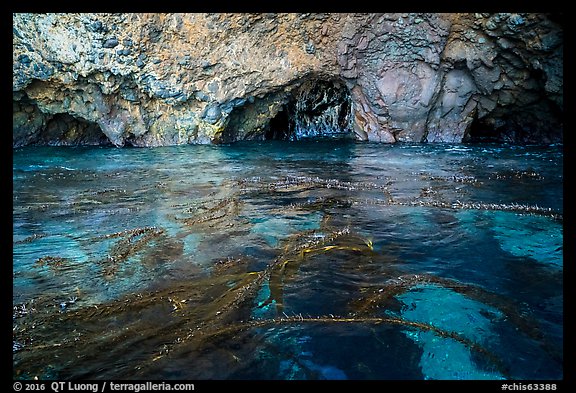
(165, 79)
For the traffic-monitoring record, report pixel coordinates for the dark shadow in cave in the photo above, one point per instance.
(517, 128)
(66, 130)
(279, 127)
(479, 132)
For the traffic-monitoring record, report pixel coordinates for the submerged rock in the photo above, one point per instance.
(201, 78)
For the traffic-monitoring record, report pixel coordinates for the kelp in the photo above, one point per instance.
(383, 298)
(286, 266)
(322, 204)
(211, 213)
(31, 238)
(307, 182)
(185, 308)
(54, 263)
(456, 178)
(131, 241)
(218, 306)
(459, 205)
(231, 330)
(110, 200)
(128, 234)
(429, 197)
(516, 174)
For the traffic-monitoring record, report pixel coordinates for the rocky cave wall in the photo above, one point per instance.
(164, 79)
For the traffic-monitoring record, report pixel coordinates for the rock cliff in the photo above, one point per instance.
(163, 79)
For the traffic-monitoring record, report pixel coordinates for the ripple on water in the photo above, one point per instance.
(182, 261)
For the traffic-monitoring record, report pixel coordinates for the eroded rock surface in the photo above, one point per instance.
(164, 79)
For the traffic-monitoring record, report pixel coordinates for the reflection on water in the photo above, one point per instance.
(306, 260)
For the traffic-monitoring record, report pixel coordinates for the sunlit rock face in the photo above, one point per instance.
(167, 79)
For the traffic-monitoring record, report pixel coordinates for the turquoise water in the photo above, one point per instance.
(277, 260)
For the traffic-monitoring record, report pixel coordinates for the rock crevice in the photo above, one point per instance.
(165, 79)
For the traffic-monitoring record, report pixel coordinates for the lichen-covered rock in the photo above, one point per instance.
(162, 79)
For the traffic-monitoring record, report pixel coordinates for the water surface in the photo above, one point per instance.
(277, 260)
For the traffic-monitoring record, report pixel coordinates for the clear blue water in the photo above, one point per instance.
(277, 260)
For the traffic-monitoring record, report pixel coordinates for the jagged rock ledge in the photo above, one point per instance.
(164, 79)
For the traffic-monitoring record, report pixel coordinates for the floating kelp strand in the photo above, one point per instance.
(291, 181)
(381, 297)
(233, 329)
(30, 238)
(428, 192)
(133, 242)
(102, 196)
(82, 317)
(286, 266)
(276, 278)
(128, 232)
(512, 207)
(130, 243)
(229, 262)
(55, 263)
(516, 174)
(218, 313)
(211, 205)
(315, 240)
(223, 208)
(452, 178)
(390, 200)
(322, 203)
(293, 253)
(42, 206)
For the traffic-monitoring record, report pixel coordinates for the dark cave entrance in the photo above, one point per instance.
(480, 132)
(314, 110)
(536, 118)
(31, 126)
(279, 127)
(523, 127)
(64, 129)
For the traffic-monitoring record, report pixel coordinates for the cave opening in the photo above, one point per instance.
(481, 132)
(279, 127)
(64, 129)
(528, 126)
(314, 110)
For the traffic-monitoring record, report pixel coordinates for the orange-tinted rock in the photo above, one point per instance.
(160, 79)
